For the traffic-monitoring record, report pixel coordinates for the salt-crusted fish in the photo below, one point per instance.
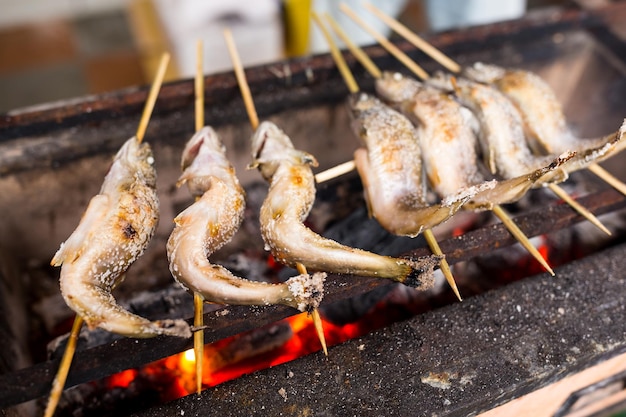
(211, 222)
(390, 166)
(500, 126)
(113, 232)
(544, 121)
(449, 144)
(289, 200)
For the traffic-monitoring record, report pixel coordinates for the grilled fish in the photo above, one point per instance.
(211, 222)
(390, 167)
(113, 232)
(289, 200)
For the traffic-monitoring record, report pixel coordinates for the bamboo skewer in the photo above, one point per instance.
(498, 211)
(152, 96)
(198, 300)
(437, 56)
(66, 361)
(254, 122)
(335, 172)
(561, 193)
(416, 40)
(607, 177)
(390, 47)
(199, 87)
(353, 87)
(68, 355)
(361, 56)
(198, 338)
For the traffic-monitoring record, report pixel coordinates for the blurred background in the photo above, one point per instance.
(67, 48)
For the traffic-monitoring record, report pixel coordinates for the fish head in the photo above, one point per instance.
(204, 147)
(271, 147)
(269, 143)
(204, 157)
(443, 81)
(133, 161)
(484, 73)
(361, 106)
(363, 102)
(397, 88)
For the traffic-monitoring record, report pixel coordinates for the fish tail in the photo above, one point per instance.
(420, 271)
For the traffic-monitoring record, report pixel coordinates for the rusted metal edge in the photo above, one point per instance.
(279, 85)
(46, 138)
(101, 361)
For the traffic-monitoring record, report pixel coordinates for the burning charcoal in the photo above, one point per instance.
(248, 345)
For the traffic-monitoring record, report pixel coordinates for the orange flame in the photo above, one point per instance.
(122, 379)
(178, 371)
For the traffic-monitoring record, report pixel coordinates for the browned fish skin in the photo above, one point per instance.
(114, 231)
(210, 222)
(289, 200)
(391, 169)
(501, 128)
(544, 121)
(448, 143)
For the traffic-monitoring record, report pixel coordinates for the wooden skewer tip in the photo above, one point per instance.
(64, 367)
(561, 193)
(521, 237)
(443, 265)
(152, 96)
(319, 329)
(607, 177)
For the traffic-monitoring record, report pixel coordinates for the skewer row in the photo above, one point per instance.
(357, 262)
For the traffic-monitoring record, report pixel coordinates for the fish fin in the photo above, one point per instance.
(73, 247)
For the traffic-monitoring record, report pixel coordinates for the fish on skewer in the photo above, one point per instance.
(446, 134)
(89, 267)
(391, 170)
(289, 200)
(502, 137)
(254, 122)
(546, 128)
(488, 191)
(543, 120)
(392, 178)
(114, 231)
(211, 222)
(500, 129)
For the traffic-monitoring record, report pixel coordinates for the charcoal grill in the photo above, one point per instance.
(482, 352)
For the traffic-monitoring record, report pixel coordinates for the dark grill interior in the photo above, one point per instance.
(484, 351)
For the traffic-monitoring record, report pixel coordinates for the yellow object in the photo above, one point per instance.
(150, 38)
(297, 15)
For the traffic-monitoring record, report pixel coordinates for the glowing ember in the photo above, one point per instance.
(174, 377)
(230, 358)
(122, 379)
